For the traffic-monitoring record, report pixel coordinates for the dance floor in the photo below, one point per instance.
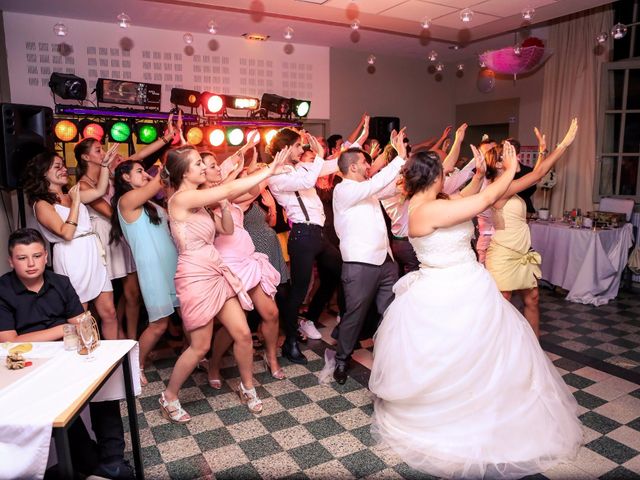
(309, 430)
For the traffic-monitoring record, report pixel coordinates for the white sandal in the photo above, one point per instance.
(143, 379)
(173, 411)
(250, 398)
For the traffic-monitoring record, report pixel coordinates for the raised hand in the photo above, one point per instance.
(278, 166)
(397, 140)
(74, 193)
(461, 131)
(314, 144)
(374, 151)
(481, 165)
(509, 157)
(446, 132)
(542, 140)
(570, 135)
(111, 154)
(171, 129)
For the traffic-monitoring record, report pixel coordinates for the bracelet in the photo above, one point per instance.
(71, 223)
(166, 142)
(544, 152)
(104, 165)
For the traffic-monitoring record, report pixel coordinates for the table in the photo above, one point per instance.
(48, 399)
(586, 262)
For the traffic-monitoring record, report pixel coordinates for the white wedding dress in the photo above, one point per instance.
(462, 387)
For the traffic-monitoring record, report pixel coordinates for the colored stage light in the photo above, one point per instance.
(194, 136)
(213, 104)
(301, 107)
(188, 98)
(147, 133)
(243, 103)
(93, 130)
(269, 134)
(66, 131)
(235, 136)
(276, 104)
(120, 132)
(216, 137)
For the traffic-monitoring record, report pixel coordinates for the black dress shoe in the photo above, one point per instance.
(291, 352)
(340, 373)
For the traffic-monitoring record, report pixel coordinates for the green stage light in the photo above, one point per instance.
(120, 132)
(147, 133)
(235, 136)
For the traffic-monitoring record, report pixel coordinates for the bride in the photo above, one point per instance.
(463, 389)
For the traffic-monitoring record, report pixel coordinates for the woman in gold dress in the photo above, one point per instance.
(510, 260)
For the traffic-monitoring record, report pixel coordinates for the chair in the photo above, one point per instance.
(617, 205)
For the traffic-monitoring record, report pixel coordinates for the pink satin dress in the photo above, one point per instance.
(203, 282)
(239, 253)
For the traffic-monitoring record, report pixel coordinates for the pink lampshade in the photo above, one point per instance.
(505, 60)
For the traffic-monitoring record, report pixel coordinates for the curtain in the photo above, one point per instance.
(571, 89)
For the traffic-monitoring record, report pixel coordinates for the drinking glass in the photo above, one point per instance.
(87, 334)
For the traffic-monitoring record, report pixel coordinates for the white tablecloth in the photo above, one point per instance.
(585, 262)
(29, 406)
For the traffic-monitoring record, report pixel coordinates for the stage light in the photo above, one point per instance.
(92, 130)
(66, 131)
(269, 134)
(120, 132)
(216, 137)
(276, 104)
(213, 104)
(146, 133)
(68, 86)
(235, 136)
(253, 135)
(242, 103)
(188, 98)
(300, 107)
(194, 136)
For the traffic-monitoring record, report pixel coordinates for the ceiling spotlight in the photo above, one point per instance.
(602, 37)
(371, 60)
(466, 15)
(60, 29)
(460, 67)
(433, 56)
(212, 28)
(425, 23)
(528, 13)
(288, 33)
(440, 67)
(618, 31)
(188, 38)
(517, 49)
(124, 20)
(355, 25)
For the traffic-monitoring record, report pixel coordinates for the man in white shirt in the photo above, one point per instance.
(295, 192)
(368, 269)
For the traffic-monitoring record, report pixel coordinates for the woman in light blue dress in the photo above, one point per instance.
(144, 225)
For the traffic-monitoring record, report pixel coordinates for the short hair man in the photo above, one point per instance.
(35, 304)
(368, 269)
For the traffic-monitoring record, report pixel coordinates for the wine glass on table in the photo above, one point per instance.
(88, 335)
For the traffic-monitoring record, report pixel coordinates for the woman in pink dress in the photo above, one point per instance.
(206, 287)
(259, 278)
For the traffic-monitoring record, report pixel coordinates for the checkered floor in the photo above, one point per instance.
(309, 430)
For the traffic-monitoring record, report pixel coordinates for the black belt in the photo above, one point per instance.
(310, 226)
(400, 238)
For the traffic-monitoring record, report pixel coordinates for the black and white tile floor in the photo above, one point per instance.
(309, 430)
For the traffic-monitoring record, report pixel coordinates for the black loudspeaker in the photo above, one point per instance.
(380, 128)
(27, 130)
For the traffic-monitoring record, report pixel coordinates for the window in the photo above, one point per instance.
(618, 142)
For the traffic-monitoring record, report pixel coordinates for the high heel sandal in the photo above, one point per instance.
(278, 374)
(250, 398)
(215, 383)
(173, 411)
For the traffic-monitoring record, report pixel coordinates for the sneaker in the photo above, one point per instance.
(309, 329)
(116, 470)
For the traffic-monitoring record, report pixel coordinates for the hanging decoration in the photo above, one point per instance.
(532, 53)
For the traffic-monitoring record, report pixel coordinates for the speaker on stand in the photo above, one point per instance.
(27, 130)
(380, 128)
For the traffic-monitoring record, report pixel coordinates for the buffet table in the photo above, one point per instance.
(46, 397)
(586, 262)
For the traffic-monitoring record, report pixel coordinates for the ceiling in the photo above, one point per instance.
(386, 26)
